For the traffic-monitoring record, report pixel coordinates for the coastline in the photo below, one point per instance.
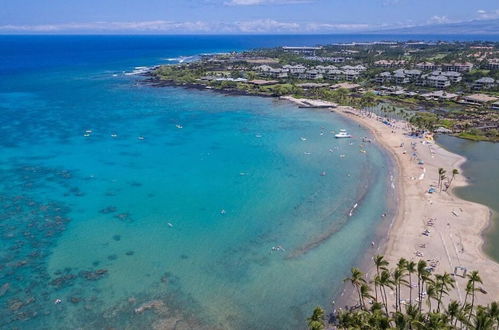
(452, 242)
(456, 237)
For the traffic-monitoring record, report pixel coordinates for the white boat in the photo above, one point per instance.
(342, 134)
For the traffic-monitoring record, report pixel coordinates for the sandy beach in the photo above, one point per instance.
(454, 225)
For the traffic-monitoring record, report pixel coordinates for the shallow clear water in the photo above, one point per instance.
(483, 174)
(185, 217)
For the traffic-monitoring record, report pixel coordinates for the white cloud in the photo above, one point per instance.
(484, 14)
(266, 26)
(160, 26)
(439, 20)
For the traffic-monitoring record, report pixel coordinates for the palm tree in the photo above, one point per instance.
(454, 173)
(473, 278)
(453, 311)
(380, 263)
(316, 321)
(482, 319)
(411, 269)
(365, 293)
(357, 279)
(431, 293)
(445, 282)
(422, 274)
(441, 172)
(385, 281)
(398, 280)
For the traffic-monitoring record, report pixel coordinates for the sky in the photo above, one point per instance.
(234, 16)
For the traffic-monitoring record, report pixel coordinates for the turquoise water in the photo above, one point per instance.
(186, 216)
(483, 175)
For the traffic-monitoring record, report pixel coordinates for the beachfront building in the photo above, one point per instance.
(310, 51)
(351, 75)
(383, 77)
(311, 75)
(495, 106)
(440, 95)
(457, 67)
(484, 83)
(478, 99)
(277, 73)
(334, 74)
(427, 66)
(295, 70)
(437, 81)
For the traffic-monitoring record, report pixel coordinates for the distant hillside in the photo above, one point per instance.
(471, 27)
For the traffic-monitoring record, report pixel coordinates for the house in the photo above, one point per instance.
(310, 51)
(427, 66)
(495, 106)
(484, 83)
(478, 99)
(457, 67)
(438, 81)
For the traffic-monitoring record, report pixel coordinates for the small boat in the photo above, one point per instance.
(170, 225)
(342, 134)
(303, 139)
(223, 212)
(140, 138)
(114, 135)
(179, 126)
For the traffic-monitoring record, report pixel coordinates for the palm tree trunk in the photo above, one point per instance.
(472, 302)
(410, 289)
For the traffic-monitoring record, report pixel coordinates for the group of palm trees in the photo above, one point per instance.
(442, 177)
(424, 306)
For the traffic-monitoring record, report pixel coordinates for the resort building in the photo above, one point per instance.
(457, 67)
(427, 66)
(493, 64)
(334, 75)
(440, 95)
(437, 81)
(495, 106)
(383, 77)
(484, 83)
(351, 75)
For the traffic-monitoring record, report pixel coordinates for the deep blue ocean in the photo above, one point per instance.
(127, 206)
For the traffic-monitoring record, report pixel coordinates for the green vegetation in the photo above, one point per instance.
(242, 73)
(428, 307)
